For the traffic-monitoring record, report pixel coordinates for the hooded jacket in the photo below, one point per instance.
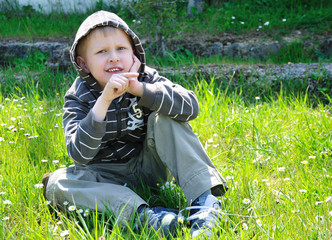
(120, 136)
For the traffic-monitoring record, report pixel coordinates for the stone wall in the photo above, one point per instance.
(58, 52)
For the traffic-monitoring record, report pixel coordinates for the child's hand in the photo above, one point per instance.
(117, 85)
(135, 87)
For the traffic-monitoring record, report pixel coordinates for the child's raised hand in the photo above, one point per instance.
(117, 85)
(135, 87)
(136, 64)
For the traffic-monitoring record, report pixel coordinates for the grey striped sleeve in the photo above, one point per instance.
(83, 134)
(171, 99)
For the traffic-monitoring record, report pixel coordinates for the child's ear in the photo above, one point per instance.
(81, 62)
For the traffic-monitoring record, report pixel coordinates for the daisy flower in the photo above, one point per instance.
(79, 210)
(259, 223)
(39, 185)
(246, 201)
(64, 233)
(203, 215)
(72, 208)
(7, 202)
(86, 213)
(245, 226)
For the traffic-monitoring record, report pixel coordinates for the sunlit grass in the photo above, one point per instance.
(275, 152)
(281, 17)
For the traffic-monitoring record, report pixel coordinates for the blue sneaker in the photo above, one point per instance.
(205, 219)
(159, 218)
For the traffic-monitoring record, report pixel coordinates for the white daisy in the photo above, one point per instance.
(64, 233)
(259, 223)
(39, 185)
(79, 210)
(245, 226)
(72, 208)
(7, 202)
(86, 213)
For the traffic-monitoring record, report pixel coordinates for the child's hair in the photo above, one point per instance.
(81, 42)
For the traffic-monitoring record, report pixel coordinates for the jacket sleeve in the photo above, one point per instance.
(83, 134)
(173, 100)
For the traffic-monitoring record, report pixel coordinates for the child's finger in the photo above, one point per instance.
(130, 75)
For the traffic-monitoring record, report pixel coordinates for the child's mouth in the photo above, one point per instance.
(112, 70)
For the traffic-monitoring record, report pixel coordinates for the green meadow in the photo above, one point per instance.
(272, 143)
(275, 151)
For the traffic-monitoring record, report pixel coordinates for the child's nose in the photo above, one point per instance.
(114, 57)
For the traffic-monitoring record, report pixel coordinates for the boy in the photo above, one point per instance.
(124, 123)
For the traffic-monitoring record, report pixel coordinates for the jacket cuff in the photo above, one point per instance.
(149, 95)
(93, 127)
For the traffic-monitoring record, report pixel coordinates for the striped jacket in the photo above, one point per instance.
(120, 136)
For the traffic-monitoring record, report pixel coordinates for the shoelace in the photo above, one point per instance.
(203, 213)
(152, 217)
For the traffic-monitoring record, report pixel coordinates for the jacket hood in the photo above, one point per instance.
(104, 18)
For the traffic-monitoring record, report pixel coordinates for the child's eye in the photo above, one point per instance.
(101, 51)
(122, 48)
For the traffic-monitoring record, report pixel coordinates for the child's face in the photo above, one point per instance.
(106, 52)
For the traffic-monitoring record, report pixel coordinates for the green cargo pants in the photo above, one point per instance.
(170, 147)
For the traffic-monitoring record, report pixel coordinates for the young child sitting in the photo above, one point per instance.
(125, 124)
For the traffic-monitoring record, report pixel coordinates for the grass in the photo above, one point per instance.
(275, 18)
(273, 147)
(272, 142)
